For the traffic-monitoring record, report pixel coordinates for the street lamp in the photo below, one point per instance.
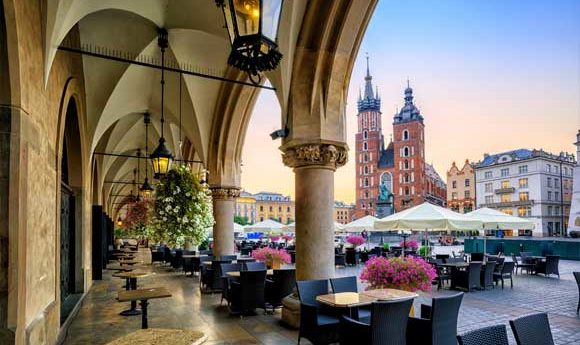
(253, 29)
(161, 158)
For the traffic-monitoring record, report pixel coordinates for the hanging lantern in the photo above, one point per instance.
(253, 29)
(119, 221)
(146, 188)
(162, 157)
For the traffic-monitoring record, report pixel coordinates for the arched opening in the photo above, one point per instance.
(406, 152)
(405, 135)
(71, 279)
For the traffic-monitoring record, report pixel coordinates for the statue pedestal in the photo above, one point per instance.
(384, 209)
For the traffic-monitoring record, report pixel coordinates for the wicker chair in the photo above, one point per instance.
(532, 330)
(226, 290)
(351, 257)
(254, 266)
(315, 325)
(496, 335)
(388, 325)
(279, 286)
(477, 256)
(577, 277)
(247, 293)
(349, 284)
(529, 267)
(339, 260)
(437, 324)
(550, 266)
(506, 272)
(470, 278)
(487, 275)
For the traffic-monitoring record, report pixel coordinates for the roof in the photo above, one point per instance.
(432, 173)
(387, 157)
(409, 112)
(518, 154)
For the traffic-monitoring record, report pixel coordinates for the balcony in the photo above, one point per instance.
(505, 190)
(509, 204)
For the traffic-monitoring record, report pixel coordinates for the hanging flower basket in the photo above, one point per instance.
(355, 240)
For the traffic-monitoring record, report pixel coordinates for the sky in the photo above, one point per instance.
(488, 76)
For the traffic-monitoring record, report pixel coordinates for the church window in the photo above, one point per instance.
(405, 151)
(406, 190)
(406, 164)
(365, 146)
(405, 135)
(406, 178)
(366, 158)
(366, 195)
(365, 134)
(366, 182)
(366, 169)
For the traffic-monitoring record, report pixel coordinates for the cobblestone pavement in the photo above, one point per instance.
(99, 322)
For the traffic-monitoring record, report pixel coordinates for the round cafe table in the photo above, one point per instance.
(159, 336)
(131, 284)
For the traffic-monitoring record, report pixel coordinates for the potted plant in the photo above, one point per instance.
(274, 258)
(355, 240)
(403, 273)
(410, 244)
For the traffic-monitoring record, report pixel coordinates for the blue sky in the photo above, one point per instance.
(488, 76)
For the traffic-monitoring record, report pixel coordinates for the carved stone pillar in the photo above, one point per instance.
(224, 200)
(314, 166)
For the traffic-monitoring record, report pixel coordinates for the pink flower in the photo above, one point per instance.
(409, 273)
(410, 243)
(355, 240)
(266, 253)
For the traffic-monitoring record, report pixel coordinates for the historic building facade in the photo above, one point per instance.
(574, 220)
(274, 206)
(343, 212)
(400, 166)
(528, 183)
(246, 207)
(461, 188)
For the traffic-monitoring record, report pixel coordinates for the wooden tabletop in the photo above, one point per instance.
(143, 294)
(159, 336)
(236, 274)
(356, 299)
(130, 262)
(119, 268)
(132, 274)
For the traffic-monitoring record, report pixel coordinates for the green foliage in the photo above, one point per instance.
(386, 246)
(241, 220)
(183, 208)
(424, 251)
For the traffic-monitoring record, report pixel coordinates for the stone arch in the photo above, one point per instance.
(72, 194)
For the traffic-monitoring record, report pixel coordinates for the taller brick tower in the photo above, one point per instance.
(368, 145)
(409, 155)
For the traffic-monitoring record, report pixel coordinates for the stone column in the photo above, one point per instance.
(314, 166)
(224, 200)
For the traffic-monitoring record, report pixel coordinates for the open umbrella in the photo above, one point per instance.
(428, 217)
(266, 226)
(365, 223)
(292, 227)
(238, 228)
(495, 220)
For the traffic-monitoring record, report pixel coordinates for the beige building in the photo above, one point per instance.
(274, 206)
(246, 207)
(343, 212)
(461, 188)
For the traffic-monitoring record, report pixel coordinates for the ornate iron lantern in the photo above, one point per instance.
(253, 29)
(161, 156)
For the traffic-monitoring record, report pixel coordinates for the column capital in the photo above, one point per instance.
(225, 192)
(326, 155)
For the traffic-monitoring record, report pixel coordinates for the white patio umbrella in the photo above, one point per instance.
(495, 220)
(266, 226)
(427, 217)
(238, 228)
(292, 227)
(365, 223)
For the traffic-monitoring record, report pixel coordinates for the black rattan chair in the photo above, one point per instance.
(529, 267)
(492, 335)
(226, 290)
(349, 284)
(279, 286)
(487, 275)
(339, 260)
(315, 325)
(550, 266)
(506, 272)
(351, 256)
(532, 330)
(469, 279)
(388, 325)
(247, 293)
(254, 266)
(477, 256)
(438, 322)
(228, 257)
(577, 277)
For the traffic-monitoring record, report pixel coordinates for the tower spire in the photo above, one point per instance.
(368, 70)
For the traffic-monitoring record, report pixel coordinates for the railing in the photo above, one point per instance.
(508, 190)
(509, 204)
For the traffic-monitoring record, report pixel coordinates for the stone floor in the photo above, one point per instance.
(99, 322)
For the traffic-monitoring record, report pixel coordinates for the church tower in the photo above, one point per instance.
(368, 145)
(409, 182)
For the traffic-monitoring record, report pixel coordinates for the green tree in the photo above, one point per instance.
(241, 220)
